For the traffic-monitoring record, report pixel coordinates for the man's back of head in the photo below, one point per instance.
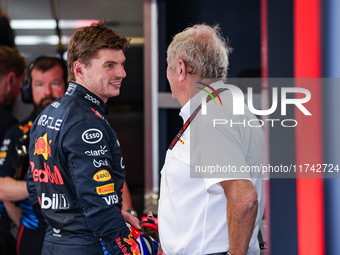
(11, 61)
(7, 33)
(12, 67)
(203, 49)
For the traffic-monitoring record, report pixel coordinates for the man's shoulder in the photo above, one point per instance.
(26, 124)
(7, 121)
(6, 115)
(63, 108)
(86, 114)
(19, 129)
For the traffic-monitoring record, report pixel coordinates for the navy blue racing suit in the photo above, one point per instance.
(76, 177)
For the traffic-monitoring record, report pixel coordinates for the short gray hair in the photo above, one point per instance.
(203, 48)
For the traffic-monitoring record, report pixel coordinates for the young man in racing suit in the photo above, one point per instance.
(76, 170)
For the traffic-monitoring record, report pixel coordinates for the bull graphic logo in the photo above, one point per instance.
(42, 147)
(134, 246)
(26, 128)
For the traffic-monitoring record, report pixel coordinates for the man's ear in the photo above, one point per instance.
(78, 69)
(182, 70)
(10, 82)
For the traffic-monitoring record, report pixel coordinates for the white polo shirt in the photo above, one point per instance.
(192, 211)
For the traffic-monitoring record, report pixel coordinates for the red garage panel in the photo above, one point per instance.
(307, 43)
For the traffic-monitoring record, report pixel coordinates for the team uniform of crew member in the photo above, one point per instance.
(12, 138)
(7, 121)
(45, 81)
(12, 67)
(32, 230)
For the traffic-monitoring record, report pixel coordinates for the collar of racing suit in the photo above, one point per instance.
(79, 90)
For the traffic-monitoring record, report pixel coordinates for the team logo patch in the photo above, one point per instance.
(5, 144)
(97, 113)
(50, 122)
(102, 176)
(55, 104)
(122, 165)
(94, 153)
(71, 88)
(92, 99)
(42, 147)
(111, 199)
(105, 189)
(57, 201)
(26, 128)
(46, 175)
(134, 246)
(92, 136)
(56, 232)
(100, 162)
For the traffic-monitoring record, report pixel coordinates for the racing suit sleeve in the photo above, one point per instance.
(32, 193)
(33, 198)
(96, 167)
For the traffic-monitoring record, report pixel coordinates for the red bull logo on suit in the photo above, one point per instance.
(42, 147)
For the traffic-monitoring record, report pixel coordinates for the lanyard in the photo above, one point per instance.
(191, 118)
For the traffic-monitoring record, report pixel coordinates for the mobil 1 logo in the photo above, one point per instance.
(57, 201)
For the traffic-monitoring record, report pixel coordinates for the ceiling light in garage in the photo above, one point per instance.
(50, 23)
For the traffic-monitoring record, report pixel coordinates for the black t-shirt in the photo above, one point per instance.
(6, 122)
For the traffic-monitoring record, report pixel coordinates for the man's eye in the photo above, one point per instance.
(56, 83)
(109, 65)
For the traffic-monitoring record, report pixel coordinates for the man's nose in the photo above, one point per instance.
(120, 72)
(48, 90)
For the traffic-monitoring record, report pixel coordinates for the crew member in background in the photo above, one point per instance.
(45, 81)
(12, 67)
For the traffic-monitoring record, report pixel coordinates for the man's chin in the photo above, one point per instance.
(43, 104)
(115, 93)
(46, 103)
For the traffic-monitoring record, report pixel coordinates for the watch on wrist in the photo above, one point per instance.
(133, 212)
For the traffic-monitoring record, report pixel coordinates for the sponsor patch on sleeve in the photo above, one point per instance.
(42, 147)
(105, 189)
(102, 176)
(92, 136)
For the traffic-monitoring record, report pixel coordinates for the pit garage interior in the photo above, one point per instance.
(270, 39)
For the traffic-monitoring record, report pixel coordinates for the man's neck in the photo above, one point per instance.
(197, 84)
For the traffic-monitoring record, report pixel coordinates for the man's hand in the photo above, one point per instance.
(12, 190)
(242, 207)
(129, 218)
(13, 211)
